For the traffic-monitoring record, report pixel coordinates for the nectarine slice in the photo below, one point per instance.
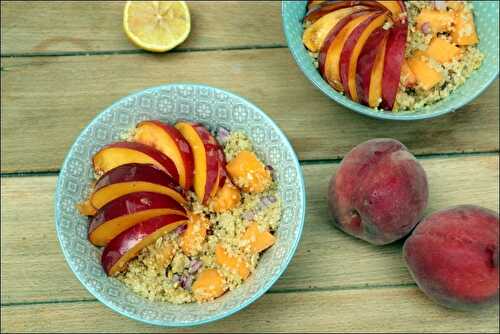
(408, 78)
(351, 50)
(130, 178)
(130, 242)
(257, 239)
(168, 140)
(235, 264)
(193, 237)
(205, 158)
(121, 153)
(329, 56)
(315, 34)
(393, 59)
(370, 61)
(209, 285)
(126, 211)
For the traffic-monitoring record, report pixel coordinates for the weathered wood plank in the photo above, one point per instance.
(33, 268)
(31, 27)
(363, 310)
(46, 102)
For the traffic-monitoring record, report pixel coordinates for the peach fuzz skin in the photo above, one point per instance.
(453, 257)
(379, 192)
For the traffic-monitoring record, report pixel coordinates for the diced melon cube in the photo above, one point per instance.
(464, 30)
(439, 21)
(227, 198)
(409, 78)
(193, 237)
(427, 77)
(209, 285)
(257, 239)
(442, 50)
(249, 173)
(235, 264)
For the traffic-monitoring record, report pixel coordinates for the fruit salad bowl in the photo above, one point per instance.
(213, 108)
(486, 21)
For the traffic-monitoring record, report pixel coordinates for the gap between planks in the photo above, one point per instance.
(301, 162)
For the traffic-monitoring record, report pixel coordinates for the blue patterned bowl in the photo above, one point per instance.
(486, 19)
(213, 107)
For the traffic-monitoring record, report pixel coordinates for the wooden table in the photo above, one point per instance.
(62, 63)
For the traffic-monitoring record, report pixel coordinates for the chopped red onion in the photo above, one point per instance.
(248, 215)
(194, 266)
(222, 134)
(426, 28)
(176, 278)
(186, 281)
(268, 200)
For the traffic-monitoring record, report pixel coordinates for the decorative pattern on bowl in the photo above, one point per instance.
(213, 107)
(486, 19)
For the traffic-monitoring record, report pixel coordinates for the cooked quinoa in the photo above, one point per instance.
(162, 269)
(454, 73)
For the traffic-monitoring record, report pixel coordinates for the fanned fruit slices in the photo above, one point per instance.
(360, 47)
(140, 193)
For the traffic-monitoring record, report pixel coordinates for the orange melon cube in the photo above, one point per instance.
(191, 241)
(427, 77)
(235, 264)
(209, 285)
(442, 50)
(464, 31)
(439, 21)
(249, 173)
(409, 78)
(227, 198)
(257, 239)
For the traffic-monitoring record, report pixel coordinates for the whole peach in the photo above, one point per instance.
(379, 192)
(453, 257)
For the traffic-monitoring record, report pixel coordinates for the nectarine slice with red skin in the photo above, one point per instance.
(206, 162)
(168, 140)
(129, 243)
(374, 48)
(121, 153)
(329, 56)
(351, 50)
(394, 56)
(130, 178)
(316, 33)
(126, 211)
(329, 6)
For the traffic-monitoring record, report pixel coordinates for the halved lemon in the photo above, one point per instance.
(156, 26)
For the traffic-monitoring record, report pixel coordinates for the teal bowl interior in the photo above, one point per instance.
(212, 107)
(486, 19)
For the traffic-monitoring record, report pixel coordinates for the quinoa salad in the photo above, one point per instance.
(439, 55)
(167, 269)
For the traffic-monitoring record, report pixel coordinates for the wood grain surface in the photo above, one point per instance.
(55, 97)
(62, 63)
(326, 258)
(37, 27)
(402, 309)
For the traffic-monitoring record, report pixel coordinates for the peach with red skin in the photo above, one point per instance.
(453, 257)
(379, 192)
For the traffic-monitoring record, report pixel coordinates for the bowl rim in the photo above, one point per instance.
(381, 115)
(284, 265)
